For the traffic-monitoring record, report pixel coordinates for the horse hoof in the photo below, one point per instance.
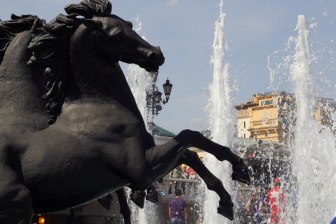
(152, 195)
(138, 197)
(226, 210)
(240, 172)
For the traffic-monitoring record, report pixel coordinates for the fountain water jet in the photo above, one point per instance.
(312, 148)
(138, 80)
(221, 117)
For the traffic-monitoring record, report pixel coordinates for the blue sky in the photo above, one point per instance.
(184, 31)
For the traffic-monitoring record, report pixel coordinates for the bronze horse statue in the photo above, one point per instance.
(99, 142)
(23, 108)
(21, 91)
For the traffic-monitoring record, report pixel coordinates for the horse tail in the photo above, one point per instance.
(10, 28)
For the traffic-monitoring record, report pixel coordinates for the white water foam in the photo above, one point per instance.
(313, 149)
(310, 190)
(221, 119)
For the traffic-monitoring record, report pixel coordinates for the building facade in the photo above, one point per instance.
(269, 116)
(259, 118)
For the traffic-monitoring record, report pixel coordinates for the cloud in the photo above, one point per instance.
(172, 2)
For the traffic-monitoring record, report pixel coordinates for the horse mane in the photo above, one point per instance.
(50, 47)
(10, 28)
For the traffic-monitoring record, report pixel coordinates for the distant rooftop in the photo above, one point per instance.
(162, 132)
(273, 93)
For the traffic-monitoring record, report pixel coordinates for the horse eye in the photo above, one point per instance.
(117, 36)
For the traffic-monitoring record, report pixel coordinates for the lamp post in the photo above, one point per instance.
(153, 98)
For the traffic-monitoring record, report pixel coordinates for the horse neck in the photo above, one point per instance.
(100, 84)
(22, 106)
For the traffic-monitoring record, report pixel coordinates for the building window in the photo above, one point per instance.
(244, 124)
(244, 135)
(266, 102)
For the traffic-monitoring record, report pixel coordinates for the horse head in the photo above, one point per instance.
(98, 41)
(117, 41)
(113, 38)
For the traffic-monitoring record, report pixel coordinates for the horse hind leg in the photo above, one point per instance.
(225, 207)
(190, 138)
(15, 199)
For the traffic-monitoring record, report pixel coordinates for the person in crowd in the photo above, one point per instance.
(276, 202)
(177, 211)
(177, 174)
(254, 206)
(185, 175)
(192, 174)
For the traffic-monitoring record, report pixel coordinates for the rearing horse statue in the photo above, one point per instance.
(97, 142)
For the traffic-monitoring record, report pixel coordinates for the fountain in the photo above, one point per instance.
(313, 172)
(221, 117)
(312, 147)
(310, 182)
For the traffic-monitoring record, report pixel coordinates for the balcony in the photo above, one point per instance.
(190, 188)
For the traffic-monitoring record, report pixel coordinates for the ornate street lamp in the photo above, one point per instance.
(153, 97)
(167, 87)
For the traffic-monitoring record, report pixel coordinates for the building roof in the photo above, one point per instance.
(157, 130)
(246, 105)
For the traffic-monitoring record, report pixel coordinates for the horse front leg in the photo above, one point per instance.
(225, 207)
(166, 157)
(190, 138)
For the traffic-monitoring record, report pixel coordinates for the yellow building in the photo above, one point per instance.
(266, 116)
(260, 118)
(325, 112)
(244, 115)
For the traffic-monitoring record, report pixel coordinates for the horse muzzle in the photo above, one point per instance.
(153, 56)
(157, 56)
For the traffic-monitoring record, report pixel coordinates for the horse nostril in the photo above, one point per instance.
(155, 54)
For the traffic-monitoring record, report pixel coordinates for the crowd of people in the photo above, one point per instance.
(262, 207)
(181, 172)
(269, 208)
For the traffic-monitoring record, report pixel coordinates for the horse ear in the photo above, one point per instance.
(108, 8)
(130, 24)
